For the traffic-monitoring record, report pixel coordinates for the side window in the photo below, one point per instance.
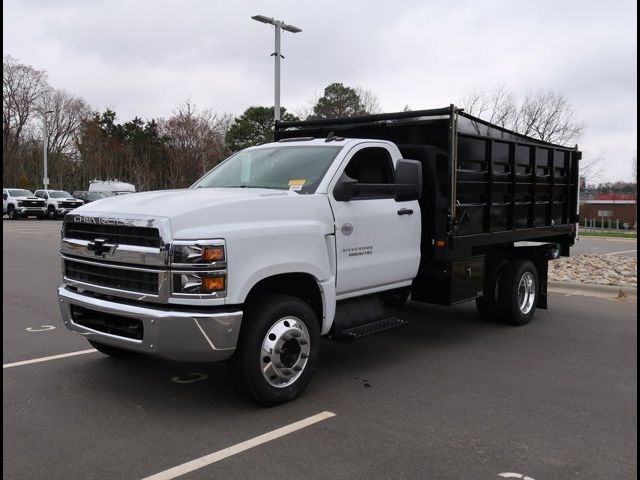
(371, 165)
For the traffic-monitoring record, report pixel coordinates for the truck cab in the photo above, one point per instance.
(319, 234)
(20, 203)
(58, 202)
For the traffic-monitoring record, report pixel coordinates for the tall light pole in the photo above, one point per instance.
(45, 177)
(279, 25)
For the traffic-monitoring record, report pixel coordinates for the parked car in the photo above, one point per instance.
(88, 197)
(19, 203)
(59, 202)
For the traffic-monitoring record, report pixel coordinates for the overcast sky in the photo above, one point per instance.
(145, 57)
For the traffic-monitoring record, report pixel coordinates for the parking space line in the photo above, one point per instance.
(619, 253)
(46, 359)
(238, 448)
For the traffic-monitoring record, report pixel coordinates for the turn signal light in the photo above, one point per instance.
(440, 243)
(213, 254)
(212, 284)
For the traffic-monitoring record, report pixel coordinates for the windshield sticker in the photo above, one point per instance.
(296, 185)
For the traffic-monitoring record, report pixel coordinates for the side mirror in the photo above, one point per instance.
(408, 180)
(4, 195)
(344, 189)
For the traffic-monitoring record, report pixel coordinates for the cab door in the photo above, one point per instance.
(377, 238)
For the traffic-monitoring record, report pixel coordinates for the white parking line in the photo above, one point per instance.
(238, 448)
(46, 359)
(620, 253)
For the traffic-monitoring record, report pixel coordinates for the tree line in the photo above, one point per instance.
(173, 152)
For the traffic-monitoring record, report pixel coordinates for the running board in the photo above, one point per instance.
(354, 333)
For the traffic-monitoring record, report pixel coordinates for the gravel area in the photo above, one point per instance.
(596, 269)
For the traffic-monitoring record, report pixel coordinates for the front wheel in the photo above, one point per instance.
(278, 348)
(518, 292)
(12, 214)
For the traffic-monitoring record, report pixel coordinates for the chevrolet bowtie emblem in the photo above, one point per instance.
(100, 247)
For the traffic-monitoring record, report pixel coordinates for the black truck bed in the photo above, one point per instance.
(484, 187)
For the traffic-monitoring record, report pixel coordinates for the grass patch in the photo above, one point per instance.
(586, 233)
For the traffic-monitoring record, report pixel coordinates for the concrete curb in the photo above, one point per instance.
(590, 290)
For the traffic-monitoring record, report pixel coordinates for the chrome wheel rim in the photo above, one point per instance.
(285, 352)
(526, 292)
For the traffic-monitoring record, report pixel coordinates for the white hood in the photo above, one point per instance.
(211, 212)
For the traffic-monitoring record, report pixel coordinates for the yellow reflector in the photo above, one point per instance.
(212, 284)
(213, 254)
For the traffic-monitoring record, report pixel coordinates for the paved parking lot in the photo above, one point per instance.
(447, 397)
(606, 246)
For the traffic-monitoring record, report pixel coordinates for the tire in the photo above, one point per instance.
(396, 298)
(11, 213)
(278, 323)
(112, 351)
(51, 213)
(518, 292)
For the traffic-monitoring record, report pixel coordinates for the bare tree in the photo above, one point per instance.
(196, 142)
(23, 87)
(64, 123)
(369, 100)
(542, 114)
(592, 168)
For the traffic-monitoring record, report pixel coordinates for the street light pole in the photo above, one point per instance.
(278, 25)
(45, 177)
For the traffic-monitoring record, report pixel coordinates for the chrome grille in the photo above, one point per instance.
(128, 235)
(112, 277)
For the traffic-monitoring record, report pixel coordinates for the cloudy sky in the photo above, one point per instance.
(144, 57)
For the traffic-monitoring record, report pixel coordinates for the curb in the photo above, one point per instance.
(590, 290)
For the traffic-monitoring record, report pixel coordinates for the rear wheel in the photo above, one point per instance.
(518, 292)
(112, 351)
(278, 348)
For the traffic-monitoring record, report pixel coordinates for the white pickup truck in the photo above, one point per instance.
(20, 203)
(286, 242)
(58, 202)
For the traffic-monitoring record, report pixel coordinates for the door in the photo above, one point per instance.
(377, 238)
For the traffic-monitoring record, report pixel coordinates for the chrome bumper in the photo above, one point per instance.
(184, 336)
(31, 210)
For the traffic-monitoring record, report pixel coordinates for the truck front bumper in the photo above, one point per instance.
(177, 335)
(30, 211)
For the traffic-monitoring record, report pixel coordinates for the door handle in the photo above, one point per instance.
(405, 211)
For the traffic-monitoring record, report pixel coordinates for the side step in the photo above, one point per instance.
(354, 333)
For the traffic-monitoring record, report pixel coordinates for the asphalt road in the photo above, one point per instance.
(447, 397)
(606, 246)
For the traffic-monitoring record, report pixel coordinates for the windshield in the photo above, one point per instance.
(284, 168)
(60, 194)
(20, 193)
(95, 195)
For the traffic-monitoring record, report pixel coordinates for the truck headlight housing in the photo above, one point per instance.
(199, 268)
(199, 252)
(196, 283)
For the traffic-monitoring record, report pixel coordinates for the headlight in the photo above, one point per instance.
(20, 203)
(204, 252)
(199, 283)
(199, 268)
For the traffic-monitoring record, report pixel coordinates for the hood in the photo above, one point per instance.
(207, 212)
(28, 198)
